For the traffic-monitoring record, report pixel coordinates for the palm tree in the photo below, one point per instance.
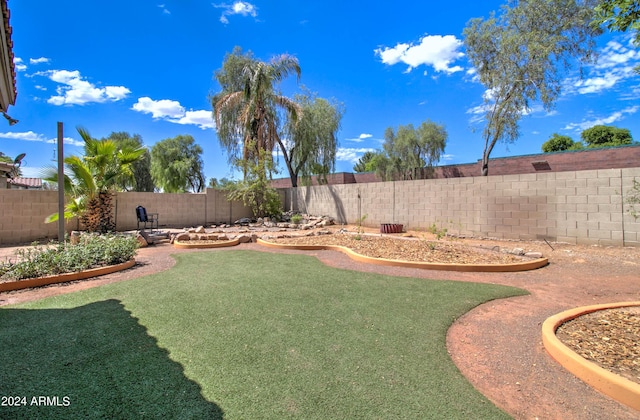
(92, 179)
(250, 116)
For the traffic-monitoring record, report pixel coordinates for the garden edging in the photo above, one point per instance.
(615, 386)
(196, 245)
(522, 266)
(62, 278)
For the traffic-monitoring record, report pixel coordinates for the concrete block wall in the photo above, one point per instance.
(22, 212)
(583, 207)
(22, 215)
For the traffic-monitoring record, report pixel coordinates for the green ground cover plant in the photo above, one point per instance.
(93, 251)
(244, 334)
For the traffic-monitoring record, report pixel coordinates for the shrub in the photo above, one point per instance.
(92, 251)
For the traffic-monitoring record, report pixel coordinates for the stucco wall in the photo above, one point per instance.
(584, 207)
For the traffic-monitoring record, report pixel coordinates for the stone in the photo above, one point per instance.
(181, 237)
(533, 254)
(141, 241)
(517, 251)
(146, 237)
(242, 221)
(200, 229)
(243, 239)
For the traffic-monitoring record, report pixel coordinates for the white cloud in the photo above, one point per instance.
(203, 119)
(614, 66)
(38, 60)
(164, 9)
(616, 116)
(172, 111)
(19, 64)
(351, 155)
(433, 50)
(163, 108)
(242, 8)
(362, 137)
(74, 90)
(31, 136)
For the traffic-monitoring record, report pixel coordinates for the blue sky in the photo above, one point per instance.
(146, 67)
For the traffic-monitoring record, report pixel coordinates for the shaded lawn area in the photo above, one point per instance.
(245, 334)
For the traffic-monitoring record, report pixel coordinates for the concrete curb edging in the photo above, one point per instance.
(524, 266)
(615, 386)
(62, 278)
(187, 245)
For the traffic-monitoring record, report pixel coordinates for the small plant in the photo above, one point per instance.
(296, 219)
(439, 232)
(92, 251)
(360, 221)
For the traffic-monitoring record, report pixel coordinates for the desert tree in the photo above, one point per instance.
(177, 166)
(521, 55)
(310, 148)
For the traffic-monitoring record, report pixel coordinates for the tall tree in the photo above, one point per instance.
(559, 143)
(246, 110)
(94, 178)
(363, 164)
(176, 165)
(520, 57)
(410, 153)
(311, 146)
(142, 180)
(606, 136)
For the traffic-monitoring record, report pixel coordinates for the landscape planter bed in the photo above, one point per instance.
(66, 277)
(609, 383)
(509, 267)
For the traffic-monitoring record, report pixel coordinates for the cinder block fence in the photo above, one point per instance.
(22, 212)
(580, 207)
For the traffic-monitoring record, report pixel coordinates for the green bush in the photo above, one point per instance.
(92, 251)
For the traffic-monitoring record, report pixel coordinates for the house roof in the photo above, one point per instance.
(26, 182)
(8, 91)
(6, 168)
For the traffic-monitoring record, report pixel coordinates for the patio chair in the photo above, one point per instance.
(144, 218)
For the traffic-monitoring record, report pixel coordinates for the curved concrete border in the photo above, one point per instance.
(615, 386)
(61, 278)
(523, 266)
(221, 244)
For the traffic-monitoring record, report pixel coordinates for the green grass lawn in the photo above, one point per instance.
(244, 335)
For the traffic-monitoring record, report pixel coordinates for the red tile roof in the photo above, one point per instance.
(26, 182)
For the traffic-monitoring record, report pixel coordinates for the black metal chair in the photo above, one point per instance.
(144, 218)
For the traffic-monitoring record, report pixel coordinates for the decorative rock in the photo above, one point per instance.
(146, 237)
(533, 254)
(223, 237)
(517, 251)
(182, 237)
(200, 229)
(243, 221)
(141, 241)
(243, 239)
